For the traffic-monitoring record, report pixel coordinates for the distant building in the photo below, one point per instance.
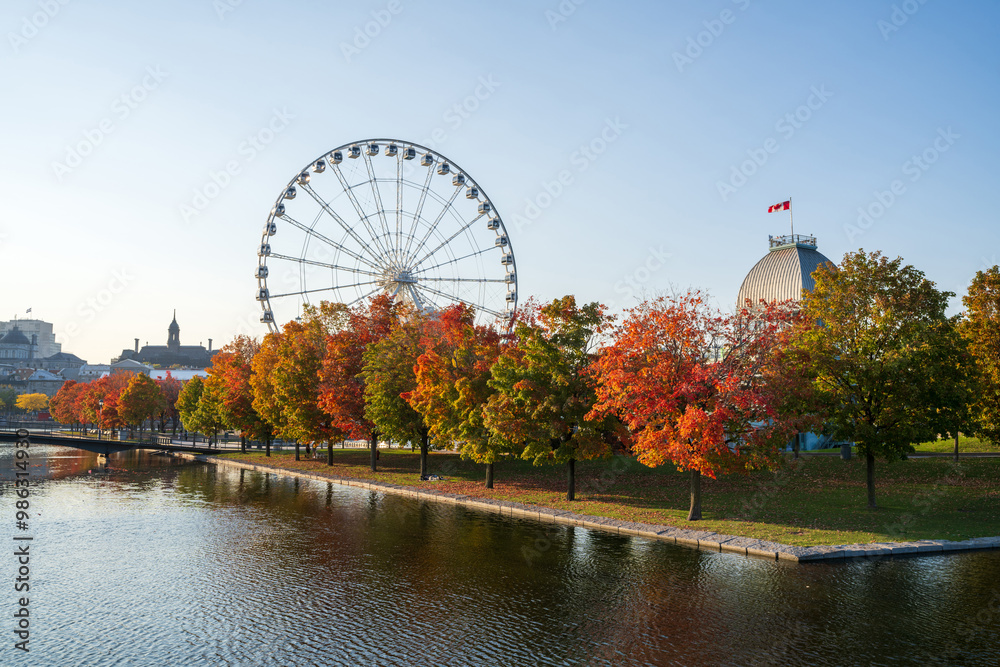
(130, 366)
(89, 372)
(59, 362)
(31, 360)
(17, 349)
(31, 381)
(45, 338)
(183, 374)
(171, 354)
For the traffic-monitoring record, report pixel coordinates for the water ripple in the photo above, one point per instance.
(173, 563)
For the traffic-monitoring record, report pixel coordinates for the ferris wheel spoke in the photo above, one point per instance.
(378, 199)
(323, 289)
(437, 220)
(455, 297)
(452, 261)
(312, 232)
(463, 280)
(420, 207)
(313, 262)
(448, 240)
(361, 214)
(346, 227)
(399, 202)
(365, 296)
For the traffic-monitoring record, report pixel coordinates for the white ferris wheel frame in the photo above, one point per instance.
(393, 268)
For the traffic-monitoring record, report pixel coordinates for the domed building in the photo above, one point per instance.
(16, 348)
(781, 275)
(784, 271)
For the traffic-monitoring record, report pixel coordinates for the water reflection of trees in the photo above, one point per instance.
(348, 568)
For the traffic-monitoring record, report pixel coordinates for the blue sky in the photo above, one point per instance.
(673, 124)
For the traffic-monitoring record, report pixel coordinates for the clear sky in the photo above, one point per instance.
(678, 123)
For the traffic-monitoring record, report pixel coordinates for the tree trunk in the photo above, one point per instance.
(424, 442)
(956, 446)
(297, 458)
(871, 481)
(489, 475)
(329, 452)
(373, 443)
(795, 447)
(694, 514)
(571, 479)
(243, 443)
(267, 446)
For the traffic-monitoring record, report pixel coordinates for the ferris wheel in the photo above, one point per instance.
(383, 215)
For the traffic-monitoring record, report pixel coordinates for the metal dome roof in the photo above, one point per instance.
(15, 337)
(784, 271)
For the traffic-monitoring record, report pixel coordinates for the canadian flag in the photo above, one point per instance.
(783, 206)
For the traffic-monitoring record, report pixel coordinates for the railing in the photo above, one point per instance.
(791, 239)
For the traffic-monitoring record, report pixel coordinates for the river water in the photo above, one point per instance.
(156, 561)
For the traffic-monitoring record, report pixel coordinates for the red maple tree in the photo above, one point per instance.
(703, 390)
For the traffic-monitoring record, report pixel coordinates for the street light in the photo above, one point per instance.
(100, 418)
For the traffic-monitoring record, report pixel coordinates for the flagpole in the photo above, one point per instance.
(790, 220)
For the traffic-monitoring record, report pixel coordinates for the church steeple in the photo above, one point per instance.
(174, 334)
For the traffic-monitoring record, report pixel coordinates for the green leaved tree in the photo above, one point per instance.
(187, 404)
(452, 384)
(870, 330)
(389, 377)
(543, 392)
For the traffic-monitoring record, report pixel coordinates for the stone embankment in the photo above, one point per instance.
(695, 539)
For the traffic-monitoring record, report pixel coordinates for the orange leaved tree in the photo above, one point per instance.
(230, 372)
(700, 389)
(140, 400)
(295, 382)
(63, 404)
(342, 386)
(98, 403)
(266, 402)
(452, 383)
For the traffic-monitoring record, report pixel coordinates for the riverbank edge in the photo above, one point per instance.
(694, 539)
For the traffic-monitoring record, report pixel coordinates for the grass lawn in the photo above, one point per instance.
(965, 445)
(946, 446)
(815, 500)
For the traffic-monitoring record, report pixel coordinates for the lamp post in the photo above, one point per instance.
(100, 418)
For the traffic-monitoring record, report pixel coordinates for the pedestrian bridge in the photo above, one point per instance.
(44, 436)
